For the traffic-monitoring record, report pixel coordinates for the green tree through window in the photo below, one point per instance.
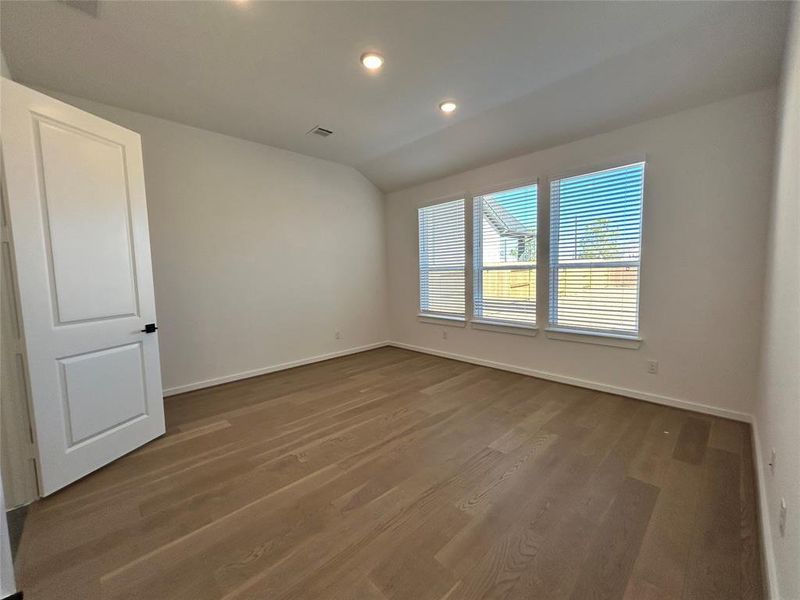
(598, 240)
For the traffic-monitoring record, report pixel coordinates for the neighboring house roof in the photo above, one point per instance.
(506, 224)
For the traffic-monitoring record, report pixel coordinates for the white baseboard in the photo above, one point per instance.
(767, 550)
(585, 383)
(198, 385)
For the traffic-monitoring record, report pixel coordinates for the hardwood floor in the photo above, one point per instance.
(394, 475)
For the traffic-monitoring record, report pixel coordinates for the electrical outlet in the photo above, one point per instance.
(444, 334)
(772, 457)
(782, 518)
(652, 367)
(338, 334)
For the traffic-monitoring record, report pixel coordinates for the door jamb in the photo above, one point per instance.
(19, 470)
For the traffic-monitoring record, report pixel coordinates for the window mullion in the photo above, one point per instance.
(553, 216)
(543, 253)
(469, 256)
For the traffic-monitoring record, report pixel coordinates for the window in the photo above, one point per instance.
(504, 279)
(441, 259)
(595, 249)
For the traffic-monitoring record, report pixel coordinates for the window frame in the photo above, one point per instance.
(426, 316)
(622, 339)
(500, 325)
(543, 265)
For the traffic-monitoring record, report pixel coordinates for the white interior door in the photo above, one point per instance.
(78, 215)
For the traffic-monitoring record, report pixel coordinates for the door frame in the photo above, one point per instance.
(18, 466)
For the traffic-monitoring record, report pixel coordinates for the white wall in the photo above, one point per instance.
(707, 188)
(778, 407)
(259, 254)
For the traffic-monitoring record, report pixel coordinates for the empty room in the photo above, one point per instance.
(400, 300)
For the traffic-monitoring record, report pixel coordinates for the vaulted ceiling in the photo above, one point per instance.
(526, 75)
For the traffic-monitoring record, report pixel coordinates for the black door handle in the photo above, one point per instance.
(149, 328)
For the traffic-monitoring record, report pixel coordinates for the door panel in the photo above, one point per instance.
(86, 207)
(78, 217)
(87, 380)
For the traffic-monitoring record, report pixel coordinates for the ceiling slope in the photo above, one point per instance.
(526, 74)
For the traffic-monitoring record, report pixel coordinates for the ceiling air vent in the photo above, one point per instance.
(320, 131)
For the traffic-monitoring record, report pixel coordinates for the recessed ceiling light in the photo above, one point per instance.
(372, 60)
(448, 106)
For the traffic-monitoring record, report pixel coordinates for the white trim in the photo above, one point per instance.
(606, 165)
(467, 207)
(189, 387)
(469, 256)
(434, 319)
(767, 550)
(619, 163)
(500, 327)
(443, 200)
(594, 337)
(585, 383)
(507, 186)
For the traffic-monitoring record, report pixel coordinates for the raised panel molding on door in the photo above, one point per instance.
(83, 376)
(75, 243)
(78, 217)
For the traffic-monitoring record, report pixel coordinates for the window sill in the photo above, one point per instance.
(441, 320)
(590, 337)
(500, 327)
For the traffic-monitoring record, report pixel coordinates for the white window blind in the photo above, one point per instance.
(504, 248)
(595, 249)
(442, 259)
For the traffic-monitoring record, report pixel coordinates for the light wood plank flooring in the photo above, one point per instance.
(393, 475)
